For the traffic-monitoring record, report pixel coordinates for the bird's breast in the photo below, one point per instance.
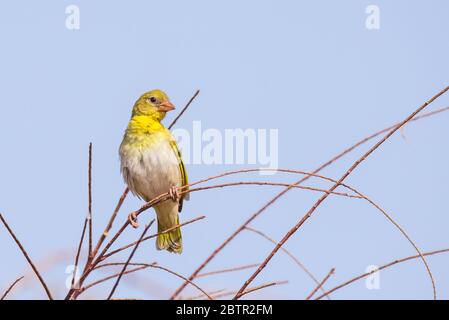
(150, 168)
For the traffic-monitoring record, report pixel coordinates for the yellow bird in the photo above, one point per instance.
(151, 164)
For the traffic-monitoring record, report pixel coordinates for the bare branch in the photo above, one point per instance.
(105, 256)
(141, 266)
(129, 259)
(320, 285)
(11, 287)
(111, 222)
(90, 200)
(263, 286)
(296, 260)
(87, 221)
(283, 192)
(324, 197)
(239, 268)
(24, 252)
(183, 110)
(78, 252)
(385, 266)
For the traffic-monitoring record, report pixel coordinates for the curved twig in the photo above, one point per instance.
(385, 266)
(11, 287)
(141, 266)
(227, 270)
(286, 190)
(151, 236)
(360, 195)
(184, 190)
(220, 294)
(324, 197)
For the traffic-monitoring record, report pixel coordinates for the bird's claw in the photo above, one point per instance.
(174, 193)
(132, 218)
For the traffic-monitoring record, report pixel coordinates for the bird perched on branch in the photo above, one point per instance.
(151, 164)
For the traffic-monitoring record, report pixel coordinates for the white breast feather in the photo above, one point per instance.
(152, 171)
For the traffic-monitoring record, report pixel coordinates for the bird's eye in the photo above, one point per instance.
(153, 99)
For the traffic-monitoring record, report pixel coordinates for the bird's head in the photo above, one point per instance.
(154, 104)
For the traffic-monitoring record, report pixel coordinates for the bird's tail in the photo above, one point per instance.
(172, 240)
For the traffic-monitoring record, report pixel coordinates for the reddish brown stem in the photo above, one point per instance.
(283, 192)
(89, 206)
(27, 257)
(11, 287)
(320, 285)
(129, 259)
(184, 109)
(324, 197)
(385, 266)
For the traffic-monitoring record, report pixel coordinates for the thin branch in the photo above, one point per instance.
(151, 236)
(24, 252)
(111, 222)
(185, 279)
(263, 286)
(141, 266)
(220, 294)
(283, 192)
(129, 259)
(317, 176)
(11, 287)
(184, 190)
(87, 221)
(78, 252)
(324, 197)
(404, 233)
(212, 294)
(84, 288)
(184, 109)
(239, 268)
(320, 285)
(385, 266)
(268, 183)
(99, 243)
(296, 260)
(90, 200)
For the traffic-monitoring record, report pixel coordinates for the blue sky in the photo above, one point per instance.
(310, 69)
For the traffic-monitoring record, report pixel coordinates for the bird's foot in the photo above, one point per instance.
(132, 218)
(174, 193)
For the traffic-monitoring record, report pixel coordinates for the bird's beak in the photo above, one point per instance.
(166, 106)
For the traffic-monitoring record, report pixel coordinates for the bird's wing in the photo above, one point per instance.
(182, 169)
